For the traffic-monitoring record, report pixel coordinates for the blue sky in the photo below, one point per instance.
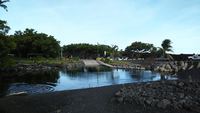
(111, 22)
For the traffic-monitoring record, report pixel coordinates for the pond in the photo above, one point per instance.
(43, 82)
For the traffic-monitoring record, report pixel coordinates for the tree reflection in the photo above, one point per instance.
(31, 78)
(136, 74)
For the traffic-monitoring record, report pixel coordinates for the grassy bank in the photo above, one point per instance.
(41, 60)
(114, 62)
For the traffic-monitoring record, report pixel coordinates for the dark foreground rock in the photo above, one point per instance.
(94, 100)
(164, 95)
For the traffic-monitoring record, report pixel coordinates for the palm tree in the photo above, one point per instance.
(166, 47)
(114, 51)
(3, 5)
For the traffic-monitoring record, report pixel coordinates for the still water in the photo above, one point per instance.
(63, 80)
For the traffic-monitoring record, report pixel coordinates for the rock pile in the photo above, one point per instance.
(165, 94)
(176, 66)
(29, 68)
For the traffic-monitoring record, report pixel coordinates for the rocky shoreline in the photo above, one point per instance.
(175, 66)
(160, 66)
(29, 68)
(94, 100)
(163, 94)
(26, 68)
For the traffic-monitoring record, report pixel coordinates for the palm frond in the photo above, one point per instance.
(4, 1)
(3, 6)
(170, 57)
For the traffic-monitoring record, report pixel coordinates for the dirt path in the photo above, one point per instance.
(94, 100)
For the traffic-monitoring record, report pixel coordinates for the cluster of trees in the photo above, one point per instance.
(135, 50)
(25, 43)
(88, 50)
(140, 49)
(29, 43)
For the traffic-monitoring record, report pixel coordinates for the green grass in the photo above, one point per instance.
(113, 62)
(117, 62)
(42, 60)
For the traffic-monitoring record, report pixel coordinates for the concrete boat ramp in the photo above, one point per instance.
(95, 63)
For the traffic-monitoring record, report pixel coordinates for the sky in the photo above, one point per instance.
(111, 22)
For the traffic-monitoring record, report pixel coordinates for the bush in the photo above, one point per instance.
(105, 60)
(38, 60)
(7, 62)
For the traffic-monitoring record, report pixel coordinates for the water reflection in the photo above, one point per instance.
(31, 78)
(83, 78)
(192, 74)
(96, 78)
(22, 80)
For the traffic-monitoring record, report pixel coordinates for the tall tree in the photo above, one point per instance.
(6, 44)
(4, 28)
(166, 46)
(115, 52)
(2, 4)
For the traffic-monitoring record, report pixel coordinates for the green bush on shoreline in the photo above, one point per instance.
(42, 60)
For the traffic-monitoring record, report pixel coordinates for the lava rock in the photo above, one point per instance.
(164, 103)
(176, 94)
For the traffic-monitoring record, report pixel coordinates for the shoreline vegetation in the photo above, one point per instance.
(44, 64)
(119, 98)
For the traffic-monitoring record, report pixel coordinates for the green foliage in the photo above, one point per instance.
(2, 4)
(105, 60)
(6, 45)
(7, 61)
(115, 53)
(136, 48)
(44, 61)
(39, 60)
(86, 50)
(74, 59)
(139, 47)
(156, 52)
(31, 44)
(4, 28)
(166, 47)
(120, 63)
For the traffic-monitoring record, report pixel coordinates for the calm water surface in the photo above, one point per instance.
(63, 80)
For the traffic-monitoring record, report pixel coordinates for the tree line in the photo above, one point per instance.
(84, 50)
(30, 43)
(140, 49)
